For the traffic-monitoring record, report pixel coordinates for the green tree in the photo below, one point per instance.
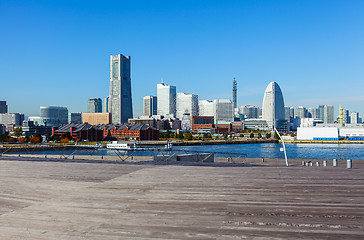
(55, 137)
(48, 137)
(188, 136)
(252, 135)
(66, 135)
(241, 135)
(276, 137)
(259, 135)
(179, 135)
(268, 135)
(18, 131)
(3, 137)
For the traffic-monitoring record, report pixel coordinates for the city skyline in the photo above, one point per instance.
(313, 50)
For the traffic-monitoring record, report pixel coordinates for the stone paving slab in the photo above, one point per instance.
(83, 200)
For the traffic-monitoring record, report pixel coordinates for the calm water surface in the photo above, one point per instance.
(266, 150)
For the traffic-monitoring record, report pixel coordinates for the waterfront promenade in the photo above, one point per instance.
(108, 199)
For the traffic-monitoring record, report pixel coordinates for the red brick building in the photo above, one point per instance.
(80, 131)
(127, 131)
(198, 122)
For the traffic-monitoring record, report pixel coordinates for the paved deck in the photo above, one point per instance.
(77, 200)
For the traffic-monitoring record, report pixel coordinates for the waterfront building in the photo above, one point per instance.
(328, 114)
(149, 106)
(166, 100)
(75, 117)
(273, 107)
(53, 116)
(97, 118)
(204, 122)
(94, 105)
(106, 104)
(3, 107)
(187, 103)
(11, 119)
(130, 131)
(206, 108)
(223, 111)
(80, 131)
(256, 124)
(29, 128)
(120, 98)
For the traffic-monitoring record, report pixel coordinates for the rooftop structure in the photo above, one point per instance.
(94, 105)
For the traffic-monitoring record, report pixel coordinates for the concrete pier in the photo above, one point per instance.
(76, 199)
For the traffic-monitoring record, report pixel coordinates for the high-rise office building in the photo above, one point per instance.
(206, 108)
(120, 99)
(149, 105)
(328, 114)
(11, 118)
(53, 116)
(94, 105)
(3, 107)
(291, 112)
(273, 106)
(166, 100)
(235, 101)
(301, 112)
(249, 111)
(287, 112)
(321, 113)
(354, 117)
(186, 103)
(346, 116)
(313, 113)
(223, 110)
(75, 117)
(106, 105)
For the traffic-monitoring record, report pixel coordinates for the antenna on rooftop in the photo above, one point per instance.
(162, 80)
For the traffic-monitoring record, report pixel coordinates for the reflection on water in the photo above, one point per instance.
(266, 150)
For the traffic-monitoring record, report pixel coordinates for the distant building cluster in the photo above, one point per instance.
(169, 110)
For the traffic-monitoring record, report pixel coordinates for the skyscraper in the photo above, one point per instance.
(94, 105)
(321, 111)
(223, 110)
(187, 103)
(354, 117)
(273, 106)
(3, 107)
(235, 101)
(166, 100)
(301, 112)
(106, 105)
(206, 108)
(120, 101)
(149, 105)
(328, 114)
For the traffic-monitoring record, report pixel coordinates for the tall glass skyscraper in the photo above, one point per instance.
(120, 104)
(187, 103)
(94, 105)
(273, 105)
(149, 105)
(166, 100)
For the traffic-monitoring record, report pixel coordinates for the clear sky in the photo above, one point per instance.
(58, 52)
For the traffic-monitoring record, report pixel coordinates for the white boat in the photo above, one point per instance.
(117, 145)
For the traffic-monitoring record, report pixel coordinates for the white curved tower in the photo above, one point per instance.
(273, 105)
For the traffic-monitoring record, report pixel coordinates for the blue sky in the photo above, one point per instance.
(57, 52)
